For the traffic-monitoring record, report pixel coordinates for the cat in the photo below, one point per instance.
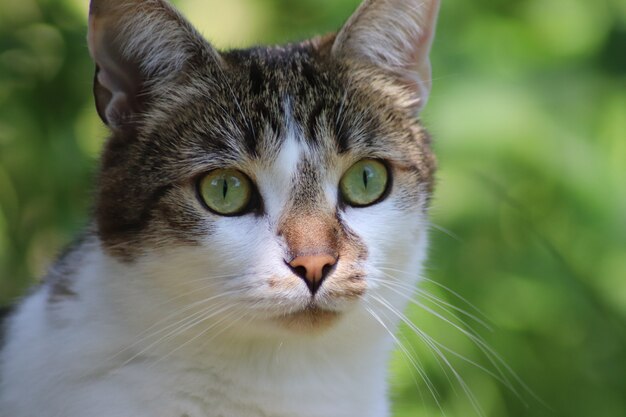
(254, 209)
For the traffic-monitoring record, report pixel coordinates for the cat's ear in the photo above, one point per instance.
(395, 35)
(137, 45)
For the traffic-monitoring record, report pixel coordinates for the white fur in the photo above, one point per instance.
(101, 354)
(72, 360)
(276, 179)
(192, 332)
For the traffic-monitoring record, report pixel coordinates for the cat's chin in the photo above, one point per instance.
(310, 318)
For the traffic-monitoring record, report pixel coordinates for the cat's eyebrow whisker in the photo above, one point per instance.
(235, 99)
(339, 117)
(215, 102)
(413, 360)
(435, 347)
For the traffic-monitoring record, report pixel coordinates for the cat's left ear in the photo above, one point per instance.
(138, 47)
(395, 35)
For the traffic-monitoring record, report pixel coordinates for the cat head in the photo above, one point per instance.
(285, 184)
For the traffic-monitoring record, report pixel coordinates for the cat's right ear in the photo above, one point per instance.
(137, 46)
(395, 35)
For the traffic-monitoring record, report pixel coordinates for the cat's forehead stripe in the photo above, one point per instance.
(333, 108)
(267, 77)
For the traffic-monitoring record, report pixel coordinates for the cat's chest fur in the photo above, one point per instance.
(259, 226)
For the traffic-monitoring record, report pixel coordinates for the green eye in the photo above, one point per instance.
(364, 183)
(226, 191)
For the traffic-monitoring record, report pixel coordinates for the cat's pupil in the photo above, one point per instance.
(365, 177)
(224, 188)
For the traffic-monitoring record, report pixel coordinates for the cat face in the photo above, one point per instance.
(281, 184)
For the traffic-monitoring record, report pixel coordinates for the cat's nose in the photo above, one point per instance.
(313, 269)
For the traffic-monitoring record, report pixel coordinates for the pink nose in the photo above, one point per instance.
(313, 268)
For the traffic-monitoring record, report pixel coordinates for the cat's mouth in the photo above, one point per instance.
(312, 317)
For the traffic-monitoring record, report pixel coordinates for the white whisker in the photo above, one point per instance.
(435, 347)
(188, 323)
(233, 313)
(413, 360)
(491, 355)
(145, 335)
(396, 286)
(445, 231)
(440, 285)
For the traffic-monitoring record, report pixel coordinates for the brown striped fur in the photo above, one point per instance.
(184, 109)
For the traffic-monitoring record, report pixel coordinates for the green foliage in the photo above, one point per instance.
(528, 112)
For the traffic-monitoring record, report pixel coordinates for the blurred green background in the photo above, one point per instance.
(528, 112)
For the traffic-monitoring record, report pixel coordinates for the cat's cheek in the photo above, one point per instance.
(236, 239)
(383, 227)
(246, 248)
(394, 239)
